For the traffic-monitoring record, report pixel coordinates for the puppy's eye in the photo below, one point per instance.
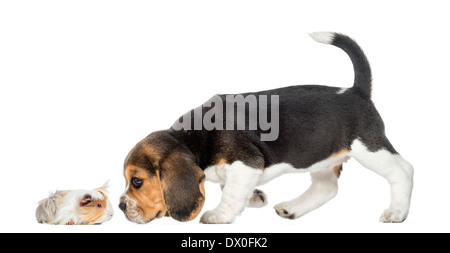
(137, 182)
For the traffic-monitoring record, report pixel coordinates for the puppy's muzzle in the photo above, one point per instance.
(131, 210)
(123, 206)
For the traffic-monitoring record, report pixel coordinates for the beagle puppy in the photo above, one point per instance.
(314, 129)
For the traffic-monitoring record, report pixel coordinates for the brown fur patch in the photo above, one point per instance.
(337, 170)
(142, 155)
(221, 161)
(149, 197)
(341, 152)
(91, 213)
(152, 152)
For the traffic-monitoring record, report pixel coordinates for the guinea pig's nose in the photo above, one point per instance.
(123, 206)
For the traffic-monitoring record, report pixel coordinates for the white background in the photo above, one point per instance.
(82, 81)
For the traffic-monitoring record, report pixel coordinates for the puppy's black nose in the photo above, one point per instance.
(123, 206)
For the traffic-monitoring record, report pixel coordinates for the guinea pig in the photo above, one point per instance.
(76, 207)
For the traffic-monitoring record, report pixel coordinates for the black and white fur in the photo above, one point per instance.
(320, 128)
(315, 122)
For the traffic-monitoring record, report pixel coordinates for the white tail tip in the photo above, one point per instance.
(323, 37)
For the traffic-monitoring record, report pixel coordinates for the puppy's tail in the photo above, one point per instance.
(363, 76)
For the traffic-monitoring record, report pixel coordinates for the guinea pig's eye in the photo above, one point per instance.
(137, 182)
(99, 205)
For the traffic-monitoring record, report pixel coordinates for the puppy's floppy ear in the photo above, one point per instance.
(182, 182)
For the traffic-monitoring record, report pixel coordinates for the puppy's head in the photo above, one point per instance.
(162, 179)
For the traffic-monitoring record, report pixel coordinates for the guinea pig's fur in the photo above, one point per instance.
(76, 207)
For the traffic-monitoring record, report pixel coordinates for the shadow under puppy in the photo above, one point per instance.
(76, 207)
(320, 127)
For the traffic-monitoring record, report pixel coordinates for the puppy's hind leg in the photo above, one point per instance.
(397, 171)
(323, 188)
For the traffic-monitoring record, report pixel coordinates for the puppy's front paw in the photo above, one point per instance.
(393, 215)
(216, 217)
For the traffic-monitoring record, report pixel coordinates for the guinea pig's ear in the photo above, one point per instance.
(86, 200)
(182, 182)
